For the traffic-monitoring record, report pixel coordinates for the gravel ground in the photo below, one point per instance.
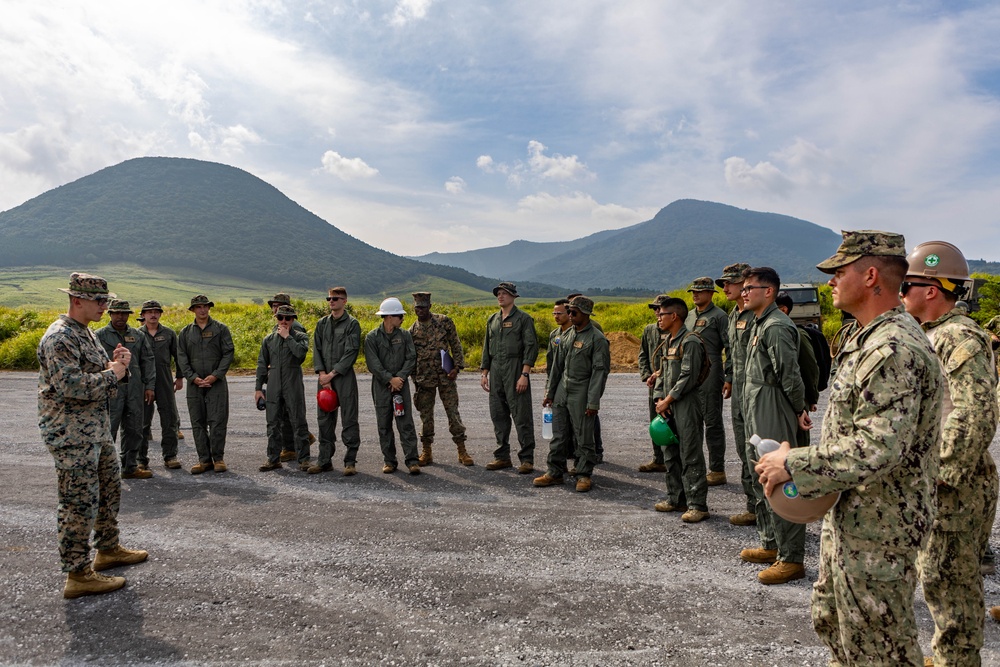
(457, 566)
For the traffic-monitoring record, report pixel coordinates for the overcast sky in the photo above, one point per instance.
(422, 125)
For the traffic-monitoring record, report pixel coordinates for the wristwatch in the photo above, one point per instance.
(525, 375)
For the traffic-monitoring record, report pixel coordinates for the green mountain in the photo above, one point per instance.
(195, 216)
(686, 239)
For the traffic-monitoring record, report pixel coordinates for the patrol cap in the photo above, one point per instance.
(510, 288)
(421, 299)
(286, 311)
(732, 274)
(200, 300)
(583, 304)
(658, 301)
(280, 298)
(703, 284)
(150, 305)
(86, 286)
(864, 243)
(789, 505)
(120, 306)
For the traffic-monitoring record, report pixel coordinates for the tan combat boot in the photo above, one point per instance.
(109, 558)
(463, 456)
(89, 582)
(427, 456)
(759, 555)
(743, 519)
(781, 573)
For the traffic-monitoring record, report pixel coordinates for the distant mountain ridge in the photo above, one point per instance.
(685, 240)
(183, 213)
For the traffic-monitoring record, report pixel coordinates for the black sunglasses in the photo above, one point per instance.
(335, 298)
(906, 285)
(284, 318)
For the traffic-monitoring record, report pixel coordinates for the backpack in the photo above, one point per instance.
(706, 362)
(823, 357)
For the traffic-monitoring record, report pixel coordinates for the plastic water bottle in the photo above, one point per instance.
(547, 422)
(764, 445)
(397, 405)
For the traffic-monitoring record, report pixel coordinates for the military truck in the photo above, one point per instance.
(806, 299)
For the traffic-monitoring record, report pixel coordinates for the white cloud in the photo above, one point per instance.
(409, 10)
(455, 185)
(763, 176)
(485, 163)
(346, 169)
(555, 167)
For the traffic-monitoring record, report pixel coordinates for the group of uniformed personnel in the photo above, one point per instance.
(912, 411)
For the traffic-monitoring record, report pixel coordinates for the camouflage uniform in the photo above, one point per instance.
(712, 325)
(279, 366)
(336, 343)
(773, 396)
(878, 448)
(510, 344)
(200, 353)
(128, 406)
(388, 356)
(164, 344)
(681, 363)
(966, 491)
(430, 338)
(74, 389)
(740, 323)
(649, 363)
(575, 384)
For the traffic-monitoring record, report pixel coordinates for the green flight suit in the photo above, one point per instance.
(128, 406)
(336, 343)
(390, 355)
(740, 323)
(773, 397)
(712, 324)
(879, 448)
(287, 429)
(202, 352)
(164, 343)
(649, 363)
(510, 344)
(279, 366)
(681, 363)
(575, 384)
(551, 352)
(966, 492)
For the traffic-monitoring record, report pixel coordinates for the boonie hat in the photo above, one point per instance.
(280, 298)
(200, 300)
(119, 306)
(732, 274)
(150, 305)
(510, 288)
(583, 304)
(286, 311)
(658, 301)
(86, 286)
(422, 299)
(864, 243)
(703, 284)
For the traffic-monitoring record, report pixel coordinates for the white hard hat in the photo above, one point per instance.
(391, 306)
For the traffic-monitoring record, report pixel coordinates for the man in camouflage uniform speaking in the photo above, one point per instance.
(509, 352)
(879, 449)
(204, 351)
(76, 381)
(436, 340)
(967, 482)
(128, 407)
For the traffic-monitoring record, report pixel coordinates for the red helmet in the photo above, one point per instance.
(327, 400)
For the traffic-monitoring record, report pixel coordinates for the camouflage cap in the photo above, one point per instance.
(510, 288)
(864, 243)
(86, 286)
(703, 284)
(658, 301)
(280, 298)
(583, 304)
(120, 306)
(200, 300)
(150, 305)
(732, 274)
(286, 310)
(422, 299)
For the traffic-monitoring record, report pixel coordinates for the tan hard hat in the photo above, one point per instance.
(940, 260)
(789, 505)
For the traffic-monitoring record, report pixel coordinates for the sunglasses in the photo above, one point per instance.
(749, 288)
(906, 285)
(331, 299)
(285, 318)
(665, 314)
(572, 312)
